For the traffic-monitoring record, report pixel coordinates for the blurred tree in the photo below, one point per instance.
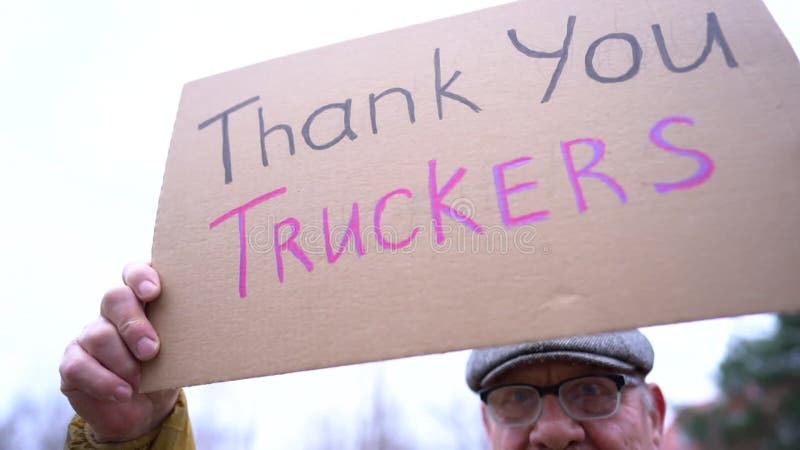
(384, 425)
(462, 423)
(35, 422)
(39, 422)
(759, 408)
(378, 428)
(210, 434)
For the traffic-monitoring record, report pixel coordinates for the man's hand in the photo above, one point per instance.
(101, 369)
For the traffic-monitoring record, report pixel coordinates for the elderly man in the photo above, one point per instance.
(585, 392)
(599, 399)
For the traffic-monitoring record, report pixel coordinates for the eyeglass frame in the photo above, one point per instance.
(620, 380)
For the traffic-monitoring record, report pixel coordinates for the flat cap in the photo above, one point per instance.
(626, 351)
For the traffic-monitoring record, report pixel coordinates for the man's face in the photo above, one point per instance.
(634, 427)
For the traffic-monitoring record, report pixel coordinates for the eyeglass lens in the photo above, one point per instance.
(582, 398)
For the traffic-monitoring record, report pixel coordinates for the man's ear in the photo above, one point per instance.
(657, 413)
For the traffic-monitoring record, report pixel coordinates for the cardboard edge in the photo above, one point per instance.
(145, 372)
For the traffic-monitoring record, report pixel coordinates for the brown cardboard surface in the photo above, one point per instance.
(689, 208)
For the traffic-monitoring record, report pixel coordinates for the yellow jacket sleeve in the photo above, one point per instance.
(175, 433)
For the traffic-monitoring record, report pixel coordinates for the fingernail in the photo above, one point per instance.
(146, 347)
(122, 393)
(147, 289)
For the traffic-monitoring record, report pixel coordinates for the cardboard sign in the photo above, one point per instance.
(533, 170)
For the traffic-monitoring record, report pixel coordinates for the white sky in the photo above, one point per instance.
(88, 97)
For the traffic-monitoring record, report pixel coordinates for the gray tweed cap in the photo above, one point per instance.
(626, 351)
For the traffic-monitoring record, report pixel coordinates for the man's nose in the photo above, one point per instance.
(555, 430)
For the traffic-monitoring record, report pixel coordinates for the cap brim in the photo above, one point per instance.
(602, 362)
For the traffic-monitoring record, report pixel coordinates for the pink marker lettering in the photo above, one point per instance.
(240, 211)
(351, 232)
(503, 192)
(599, 148)
(704, 161)
(438, 206)
(385, 243)
(290, 244)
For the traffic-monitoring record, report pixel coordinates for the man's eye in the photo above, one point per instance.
(521, 396)
(513, 397)
(590, 389)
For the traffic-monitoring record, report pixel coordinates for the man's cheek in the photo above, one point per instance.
(510, 438)
(610, 435)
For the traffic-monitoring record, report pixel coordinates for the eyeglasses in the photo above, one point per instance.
(587, 397)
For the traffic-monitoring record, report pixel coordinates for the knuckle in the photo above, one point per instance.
(114, 299)
(133, 271)
(98, 338)
(70, 369)
(131, 328)
(65, 389)
(94, 334)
